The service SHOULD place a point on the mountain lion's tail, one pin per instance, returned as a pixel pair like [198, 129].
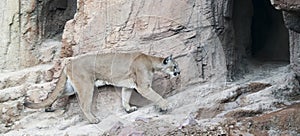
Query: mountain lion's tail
[58, 91]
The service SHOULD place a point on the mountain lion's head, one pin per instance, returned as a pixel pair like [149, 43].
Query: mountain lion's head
[170, 67]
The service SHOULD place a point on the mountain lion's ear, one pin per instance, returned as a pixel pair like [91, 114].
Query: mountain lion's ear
[167, 59]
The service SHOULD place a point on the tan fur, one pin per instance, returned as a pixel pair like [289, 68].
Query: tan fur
[127, 70]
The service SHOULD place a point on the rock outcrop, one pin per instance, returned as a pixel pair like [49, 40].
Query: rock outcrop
[152, 27]
[25, 25]
[291, 13]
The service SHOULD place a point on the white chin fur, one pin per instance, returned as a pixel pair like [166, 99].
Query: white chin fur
[171, 75]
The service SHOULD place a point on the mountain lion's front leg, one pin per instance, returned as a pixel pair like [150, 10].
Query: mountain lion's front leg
[151, 95]
[126, 94]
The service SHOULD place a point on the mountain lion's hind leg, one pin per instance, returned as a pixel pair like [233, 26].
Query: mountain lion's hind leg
[126, 93]
[85, 91]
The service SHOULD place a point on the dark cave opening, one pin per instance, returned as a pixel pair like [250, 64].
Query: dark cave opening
[260, 36]
[54, 15]
[260, 33]
[270, 40]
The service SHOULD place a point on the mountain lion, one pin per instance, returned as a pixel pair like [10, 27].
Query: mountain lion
[127, 70]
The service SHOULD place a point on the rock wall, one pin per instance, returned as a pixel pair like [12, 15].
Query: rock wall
[295, 51]
[29, 38]
[25, 25]
[203, 34]
[291, 10]
[19, 27]
[157, 28]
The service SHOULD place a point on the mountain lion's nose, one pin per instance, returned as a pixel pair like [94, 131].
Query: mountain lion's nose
[176, 73]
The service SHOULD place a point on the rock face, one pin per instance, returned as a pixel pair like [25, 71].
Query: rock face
[291, 10]
[238, 59]
[290, 5]
[25, 25]
[128, 26]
